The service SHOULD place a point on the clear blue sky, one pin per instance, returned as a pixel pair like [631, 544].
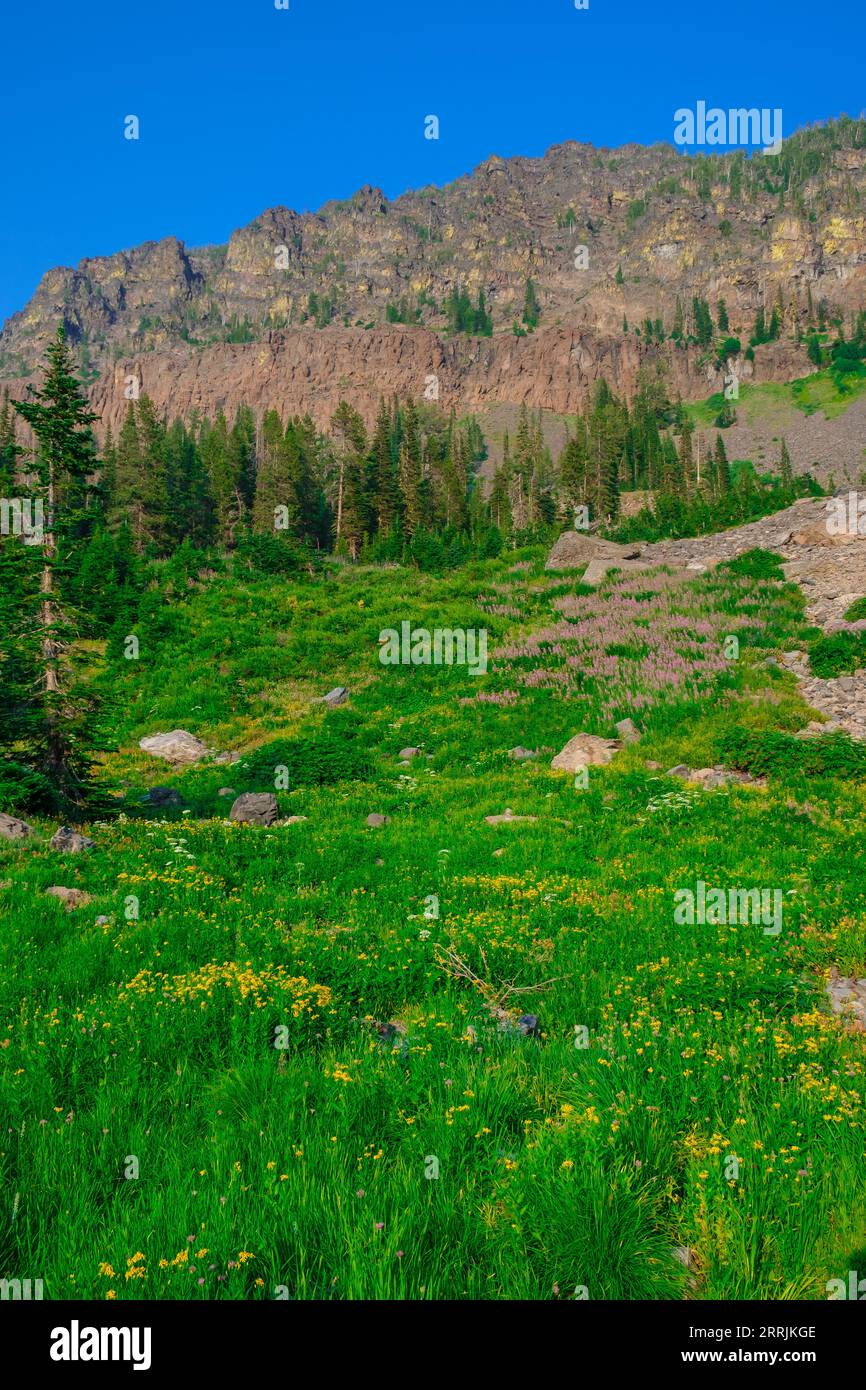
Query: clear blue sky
[243, 106]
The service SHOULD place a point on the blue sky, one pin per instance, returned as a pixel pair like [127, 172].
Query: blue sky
[243, 106]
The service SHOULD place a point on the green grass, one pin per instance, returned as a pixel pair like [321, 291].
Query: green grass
[312, 1168]
[775, 403]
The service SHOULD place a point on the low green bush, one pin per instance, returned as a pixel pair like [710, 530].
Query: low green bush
[770, 753]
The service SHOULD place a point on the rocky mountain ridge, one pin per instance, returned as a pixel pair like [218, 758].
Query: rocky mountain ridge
[300, 309]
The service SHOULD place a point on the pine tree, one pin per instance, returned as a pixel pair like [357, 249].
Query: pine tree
[270, 486]
[225, 474]
[386, 494]
[410, 471]
[65, 465]
[785, 471]
[531, 307]
[721, 469]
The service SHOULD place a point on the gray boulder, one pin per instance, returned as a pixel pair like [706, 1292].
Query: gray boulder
[255, 808]
[178, 746]
[376, 821]
[338, 696]
[162, 796]
[585, 750]
[628, 731]
[11, 828]
[69, 841]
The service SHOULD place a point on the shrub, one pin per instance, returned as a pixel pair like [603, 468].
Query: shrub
[315, 760]
[763, 752]
[756, 564]
[838, 655]
[21, 787]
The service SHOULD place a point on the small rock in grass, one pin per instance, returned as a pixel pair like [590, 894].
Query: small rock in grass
[226, 791]
[293, 820]
[338, 696]
[73, 897]
[69, 841]
[507, 818]
[521, 754]
[529, 1026]
[407, 753]
[103, 921]
[162, 796]
[628, 731]
[681, 770]
[11, 828]
[230, 758]
[847, 997]
[255, 808]
[585, 750]
[388, 1031]
[377, 821]
[708, 777]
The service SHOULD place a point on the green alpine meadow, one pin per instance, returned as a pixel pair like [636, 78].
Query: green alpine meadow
[426, 1025]
[432, 693]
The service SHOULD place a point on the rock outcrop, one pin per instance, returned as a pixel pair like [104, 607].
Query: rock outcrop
[300, 310]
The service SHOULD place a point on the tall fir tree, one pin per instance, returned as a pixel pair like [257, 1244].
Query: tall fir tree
[65, 467]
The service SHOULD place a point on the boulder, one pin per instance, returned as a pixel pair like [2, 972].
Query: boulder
[72, 897]
[376, 821]
[338, 696]
[586, 750]
[681, 770]
[407, 753]
[178, 746]
[69, 841]
[11, 828]
[162, 796]
[255, 808]
[847, 997]
[575, 549]
[628, 731]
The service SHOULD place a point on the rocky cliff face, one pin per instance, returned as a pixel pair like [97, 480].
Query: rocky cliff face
[295, 311]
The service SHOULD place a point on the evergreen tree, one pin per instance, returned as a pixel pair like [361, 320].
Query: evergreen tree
[410, 471]
[721, 469]
[65, 465]
[385, 490]
[531, 307]
[785, 471]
